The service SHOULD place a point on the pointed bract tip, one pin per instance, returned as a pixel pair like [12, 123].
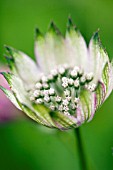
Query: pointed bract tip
[71, 25]
[53, 28]
[38, 33]
[7, 76]
[52, 24]
[8, 48]
[96, 36]
[96, 39]
[70, 22]
[4, 74]
[1, 72]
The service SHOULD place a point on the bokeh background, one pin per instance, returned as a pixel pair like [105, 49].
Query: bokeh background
[23, 144]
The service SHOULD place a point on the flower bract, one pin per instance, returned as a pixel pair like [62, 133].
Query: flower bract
[8, 112]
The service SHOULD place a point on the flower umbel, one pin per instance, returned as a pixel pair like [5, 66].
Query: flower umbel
[68, 83]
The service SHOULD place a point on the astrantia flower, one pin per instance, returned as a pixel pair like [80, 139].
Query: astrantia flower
[68, 83]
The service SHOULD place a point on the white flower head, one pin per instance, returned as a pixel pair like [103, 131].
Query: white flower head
[69, 80]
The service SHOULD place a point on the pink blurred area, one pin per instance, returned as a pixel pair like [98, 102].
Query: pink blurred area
[8, 111]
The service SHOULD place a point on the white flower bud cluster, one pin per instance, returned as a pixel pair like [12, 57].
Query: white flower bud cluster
[91, 87]
[46, 90]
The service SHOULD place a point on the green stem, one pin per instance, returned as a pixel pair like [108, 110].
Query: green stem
[82, 157]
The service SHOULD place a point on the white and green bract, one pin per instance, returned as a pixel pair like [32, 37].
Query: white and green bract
[68, 83]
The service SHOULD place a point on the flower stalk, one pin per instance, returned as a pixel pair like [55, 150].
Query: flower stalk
[81, 153]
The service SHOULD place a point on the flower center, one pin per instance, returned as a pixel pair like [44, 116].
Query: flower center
[60, 90]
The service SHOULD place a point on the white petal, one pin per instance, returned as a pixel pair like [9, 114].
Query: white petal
[86, 104]
[107, 78]
[110, 86]
[100, 94]
[97, 56]
[76, 48]
[23, 66]
[49, 49]
[11, 96]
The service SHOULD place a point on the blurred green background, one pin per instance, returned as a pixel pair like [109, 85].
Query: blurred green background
[23, 144]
